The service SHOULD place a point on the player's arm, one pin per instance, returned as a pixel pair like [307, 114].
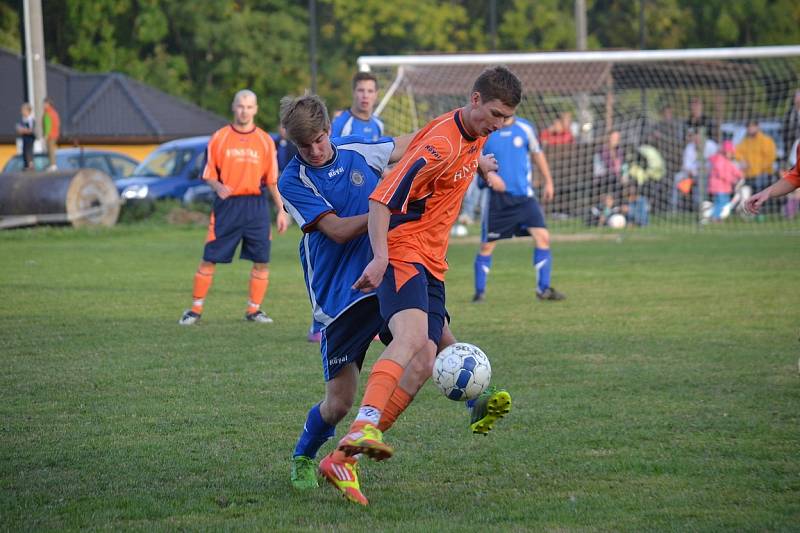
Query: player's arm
[400, 146]
[211, 171]
[342, 229]
[780, 188]
[282, 217]
[378, 226]
[541, 163]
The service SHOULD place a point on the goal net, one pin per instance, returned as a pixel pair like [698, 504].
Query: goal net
[642, 134]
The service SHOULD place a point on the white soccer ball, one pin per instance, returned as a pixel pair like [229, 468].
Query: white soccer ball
[462, 371]
[459, 230]
[616, 221]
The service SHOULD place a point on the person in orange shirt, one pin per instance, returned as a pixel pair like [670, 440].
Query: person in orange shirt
[410, 215]
[240, 162]
[51, 128]
[788, 183]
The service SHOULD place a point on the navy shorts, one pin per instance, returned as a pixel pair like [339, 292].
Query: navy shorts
[509, 216]
[411, 286]
[236, 219]
[347, 339]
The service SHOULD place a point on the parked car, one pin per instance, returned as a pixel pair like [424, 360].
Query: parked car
[114, 164]
[171, 171]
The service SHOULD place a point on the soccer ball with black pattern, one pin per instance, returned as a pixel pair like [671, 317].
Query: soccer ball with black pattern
[462, 371]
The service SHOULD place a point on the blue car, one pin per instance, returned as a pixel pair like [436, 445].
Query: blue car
[173, 170]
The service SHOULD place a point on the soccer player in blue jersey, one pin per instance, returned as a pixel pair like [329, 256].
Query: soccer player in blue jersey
[326, 189]
[359, 120]
[511, 208]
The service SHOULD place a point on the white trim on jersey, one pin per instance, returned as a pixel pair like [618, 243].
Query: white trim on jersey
[294, 212]
[376, 154]
[347, 129]
[533, 142]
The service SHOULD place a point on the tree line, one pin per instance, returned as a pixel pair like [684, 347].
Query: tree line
[205, 51]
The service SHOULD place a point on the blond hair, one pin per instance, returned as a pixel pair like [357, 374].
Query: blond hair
[304, 117]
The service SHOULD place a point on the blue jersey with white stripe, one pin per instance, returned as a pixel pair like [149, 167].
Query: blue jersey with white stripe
[342, 187]
[348, 124]
[512, 146]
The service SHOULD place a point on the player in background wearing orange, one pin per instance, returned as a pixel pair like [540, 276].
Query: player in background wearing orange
[410, 215]
[240, 162]
[788, 183]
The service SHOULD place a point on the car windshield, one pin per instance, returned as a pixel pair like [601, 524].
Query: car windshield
[164, 163]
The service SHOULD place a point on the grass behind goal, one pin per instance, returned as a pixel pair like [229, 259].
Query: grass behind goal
[661, 395]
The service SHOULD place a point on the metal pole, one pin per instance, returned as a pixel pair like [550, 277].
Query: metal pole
[584, 116]
[580, 24]
[312, 32]
[35, 60]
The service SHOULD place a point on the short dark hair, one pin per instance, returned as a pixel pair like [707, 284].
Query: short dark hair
[364, 76]
[499, 83]
[752, 121]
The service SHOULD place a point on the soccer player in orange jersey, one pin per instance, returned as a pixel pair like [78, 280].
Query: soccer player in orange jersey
[240, 163]
[410, 215]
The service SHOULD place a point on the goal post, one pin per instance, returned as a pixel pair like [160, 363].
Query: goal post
[616, 127]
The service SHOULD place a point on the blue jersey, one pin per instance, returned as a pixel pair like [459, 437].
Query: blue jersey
[347, 124]
[512, 146]
[342, 187]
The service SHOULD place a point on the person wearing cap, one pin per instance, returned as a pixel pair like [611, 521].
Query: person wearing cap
[723, 175]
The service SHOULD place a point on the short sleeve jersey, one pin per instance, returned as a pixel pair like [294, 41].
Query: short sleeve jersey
[512, 146]
[342, 187]
[347, 124]
[244, 161]
[425, 189]
[793, 175]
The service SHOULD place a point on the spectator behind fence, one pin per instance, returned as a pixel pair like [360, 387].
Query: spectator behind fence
[698, 121]
[693, 168]
[637, 207]
[757, 154]
[25, 128]
[559, 132]
[790, 182]
[600, 213]
[51, 130]
[791, 126]
[723, 175]
[607, 166]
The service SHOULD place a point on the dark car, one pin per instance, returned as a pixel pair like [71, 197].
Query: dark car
[114, 164]
[171, 171]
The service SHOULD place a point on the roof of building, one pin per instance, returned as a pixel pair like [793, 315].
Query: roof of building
[103, 107]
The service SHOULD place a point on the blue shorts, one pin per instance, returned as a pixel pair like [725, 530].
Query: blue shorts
[244, 219]
[347, 339]
[411, 286]
[509, 216]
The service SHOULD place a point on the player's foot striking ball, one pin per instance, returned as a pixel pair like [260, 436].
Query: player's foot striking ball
[490, 407]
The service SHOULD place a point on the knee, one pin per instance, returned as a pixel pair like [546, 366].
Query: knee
[542, 238]
[421, 367]
[334, 410]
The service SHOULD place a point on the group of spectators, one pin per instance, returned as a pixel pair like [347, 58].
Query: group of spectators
[26, 132]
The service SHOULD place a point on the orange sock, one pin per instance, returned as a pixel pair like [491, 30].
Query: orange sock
[381, 384]
[398, 403]
[202, 282]
[259, 281]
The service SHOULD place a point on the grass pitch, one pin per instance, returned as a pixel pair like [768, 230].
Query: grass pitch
[662, 394]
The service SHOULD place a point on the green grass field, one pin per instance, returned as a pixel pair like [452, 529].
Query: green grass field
[662, 395]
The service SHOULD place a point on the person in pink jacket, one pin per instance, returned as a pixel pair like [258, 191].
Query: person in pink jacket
[723, 175]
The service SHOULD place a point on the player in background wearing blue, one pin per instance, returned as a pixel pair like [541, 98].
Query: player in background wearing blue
[326, 189]
[511, 208]
[359, 120]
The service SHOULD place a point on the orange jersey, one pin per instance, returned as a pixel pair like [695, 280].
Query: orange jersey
[424, 191]
[244, 161]
[793, 175]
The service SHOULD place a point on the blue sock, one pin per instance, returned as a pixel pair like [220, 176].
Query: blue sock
[315, 432]
[483, 264]
[543, 264]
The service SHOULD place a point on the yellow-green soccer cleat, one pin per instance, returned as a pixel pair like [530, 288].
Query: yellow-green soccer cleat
[492, 405]
[344, 476]
[367, 440]
[304, 473]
